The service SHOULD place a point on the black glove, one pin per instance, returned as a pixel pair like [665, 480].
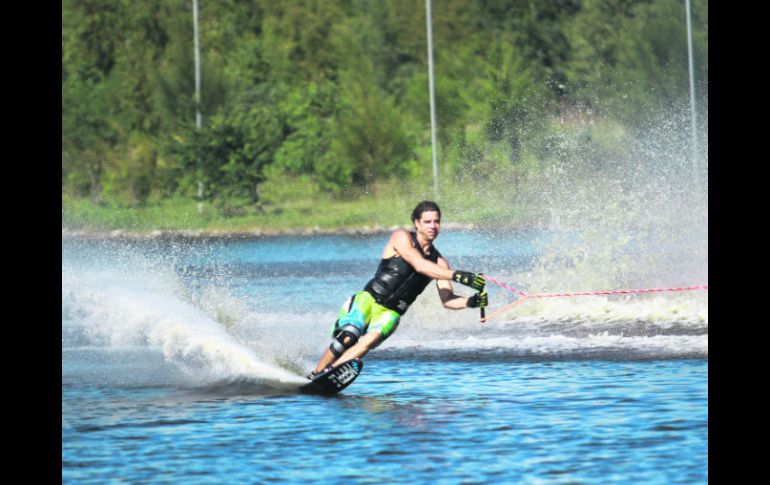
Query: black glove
[466, 278]
[478, 300]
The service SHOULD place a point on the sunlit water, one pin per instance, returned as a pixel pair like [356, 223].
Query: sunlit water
[180, 362]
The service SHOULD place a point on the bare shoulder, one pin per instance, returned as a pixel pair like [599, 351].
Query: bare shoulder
[401, 235]
[399, 239]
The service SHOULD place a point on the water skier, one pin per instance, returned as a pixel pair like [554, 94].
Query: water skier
[409, 262]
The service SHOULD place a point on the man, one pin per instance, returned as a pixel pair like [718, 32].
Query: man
[409, 262]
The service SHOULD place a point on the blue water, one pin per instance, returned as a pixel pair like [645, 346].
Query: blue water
[180, 361]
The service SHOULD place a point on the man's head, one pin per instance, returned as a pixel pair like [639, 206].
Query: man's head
[426, 218]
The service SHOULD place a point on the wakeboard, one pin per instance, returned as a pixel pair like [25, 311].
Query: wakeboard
[334, 380]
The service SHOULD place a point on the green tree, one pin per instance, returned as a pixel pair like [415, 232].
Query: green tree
[88, 136]
[338, 90]
[229, 154]
[630, 56]
[371, 136]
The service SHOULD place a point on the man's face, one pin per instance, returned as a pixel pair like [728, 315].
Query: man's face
[428, 225]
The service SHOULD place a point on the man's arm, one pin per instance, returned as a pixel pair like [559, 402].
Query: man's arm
[401, 244]
[446, 292]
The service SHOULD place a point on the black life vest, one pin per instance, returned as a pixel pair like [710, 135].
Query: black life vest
[396, 284]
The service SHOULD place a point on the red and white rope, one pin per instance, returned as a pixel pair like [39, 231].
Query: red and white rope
[525, 296]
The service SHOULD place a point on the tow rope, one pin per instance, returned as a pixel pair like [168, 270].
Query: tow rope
[525, 296]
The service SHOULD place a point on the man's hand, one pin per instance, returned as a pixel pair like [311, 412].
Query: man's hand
[475, 281]
[478, 300]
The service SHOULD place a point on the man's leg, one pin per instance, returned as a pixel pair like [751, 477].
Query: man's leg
[327, 359]
[383, 323]
[351, 313]
[364, 345]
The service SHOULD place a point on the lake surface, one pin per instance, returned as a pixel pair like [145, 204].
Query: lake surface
[181, 358]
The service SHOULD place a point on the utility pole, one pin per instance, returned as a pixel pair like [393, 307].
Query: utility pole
[198, 118]
[693, 121]
[196, 41]
[434, 146]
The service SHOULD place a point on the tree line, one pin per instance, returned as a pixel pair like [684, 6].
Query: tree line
[337, 90]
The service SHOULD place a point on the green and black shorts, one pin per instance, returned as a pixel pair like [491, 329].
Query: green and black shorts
[367, 315]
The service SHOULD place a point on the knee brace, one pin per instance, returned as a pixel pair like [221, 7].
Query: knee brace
[345, 338]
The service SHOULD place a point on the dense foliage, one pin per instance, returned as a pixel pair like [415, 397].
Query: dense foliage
[337, 90]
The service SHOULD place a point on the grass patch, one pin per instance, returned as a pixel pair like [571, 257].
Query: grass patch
[291, 203]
